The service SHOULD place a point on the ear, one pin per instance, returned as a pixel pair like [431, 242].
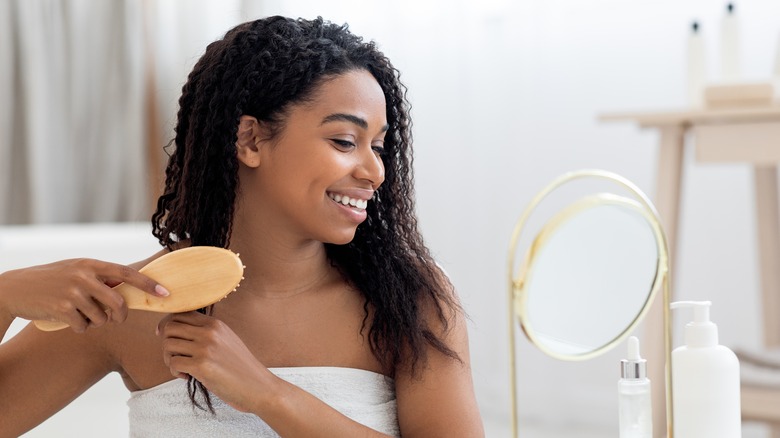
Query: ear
[250, 136]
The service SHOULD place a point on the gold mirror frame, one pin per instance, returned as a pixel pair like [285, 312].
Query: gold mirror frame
[644, 206]
[547, 231]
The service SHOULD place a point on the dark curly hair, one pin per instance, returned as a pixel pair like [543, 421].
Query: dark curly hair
[261, 68]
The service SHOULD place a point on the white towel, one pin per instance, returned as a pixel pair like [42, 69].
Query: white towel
[166, 410]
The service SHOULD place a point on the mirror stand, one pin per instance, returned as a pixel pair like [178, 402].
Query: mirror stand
[638, 206]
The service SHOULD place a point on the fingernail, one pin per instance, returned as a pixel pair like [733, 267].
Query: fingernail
[161, 291]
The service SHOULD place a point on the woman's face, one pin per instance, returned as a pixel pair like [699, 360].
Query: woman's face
[315, 178]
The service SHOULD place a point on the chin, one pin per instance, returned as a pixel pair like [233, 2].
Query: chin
[342, 238]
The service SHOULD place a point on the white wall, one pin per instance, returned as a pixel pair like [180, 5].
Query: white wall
[505, 97]
[492, 131]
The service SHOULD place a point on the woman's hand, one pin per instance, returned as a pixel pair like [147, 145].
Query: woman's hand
[77, 292]
[207, 349]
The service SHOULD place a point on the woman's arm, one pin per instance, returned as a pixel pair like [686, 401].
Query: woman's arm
[439, 400]
[41, 372]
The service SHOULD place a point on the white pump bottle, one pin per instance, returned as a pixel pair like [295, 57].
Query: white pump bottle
[705, 381]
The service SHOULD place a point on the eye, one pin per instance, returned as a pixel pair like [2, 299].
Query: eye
[379, 150]
[343, 145]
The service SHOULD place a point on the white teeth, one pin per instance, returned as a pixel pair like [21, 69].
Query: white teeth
[346, 200]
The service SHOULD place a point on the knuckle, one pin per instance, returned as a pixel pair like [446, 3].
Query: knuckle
[80, 277]
[99, 319]
[214, 325]
[79, 325]
[84, 264]
[210, 339]
[65, 306]
[163, 323]
[115, 301]
[120, 313]
[174, 363]
[72, 295]
[125, 272]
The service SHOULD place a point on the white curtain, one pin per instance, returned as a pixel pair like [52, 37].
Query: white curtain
[71, 120]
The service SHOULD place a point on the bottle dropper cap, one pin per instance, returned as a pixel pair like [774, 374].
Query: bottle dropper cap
[634, 367]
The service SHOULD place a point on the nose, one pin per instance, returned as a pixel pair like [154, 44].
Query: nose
[370, 167]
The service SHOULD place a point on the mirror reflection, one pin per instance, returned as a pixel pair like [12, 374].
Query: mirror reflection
[587, 276]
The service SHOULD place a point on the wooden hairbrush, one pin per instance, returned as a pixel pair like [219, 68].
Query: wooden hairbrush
[196, 277]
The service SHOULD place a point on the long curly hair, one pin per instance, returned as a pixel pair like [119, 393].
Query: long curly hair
[261, 68]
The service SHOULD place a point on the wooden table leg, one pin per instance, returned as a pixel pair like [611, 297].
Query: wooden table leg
[667, 201]
[768, 224]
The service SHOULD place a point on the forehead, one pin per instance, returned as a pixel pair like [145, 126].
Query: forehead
[355, 92]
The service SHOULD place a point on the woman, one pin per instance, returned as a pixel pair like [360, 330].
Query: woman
[293, 148]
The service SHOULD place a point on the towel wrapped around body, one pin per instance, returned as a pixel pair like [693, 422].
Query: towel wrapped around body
[166, 410]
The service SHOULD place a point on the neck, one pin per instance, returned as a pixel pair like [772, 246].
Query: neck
[278, 268]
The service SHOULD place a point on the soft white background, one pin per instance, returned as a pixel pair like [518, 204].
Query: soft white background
[505, 97]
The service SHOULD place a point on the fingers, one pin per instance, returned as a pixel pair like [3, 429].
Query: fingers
[73, 291]
[79, 309]
[94, 302]
[112, 272]
[181, 366]
[91, 302]
[179, 332]
[112, 303]
[76, 320]
[181, 324]
[178, 356]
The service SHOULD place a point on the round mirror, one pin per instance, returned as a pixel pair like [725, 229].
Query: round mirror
[587, 276]
[589, 273]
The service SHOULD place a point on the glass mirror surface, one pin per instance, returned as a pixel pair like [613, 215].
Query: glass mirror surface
[588, 275]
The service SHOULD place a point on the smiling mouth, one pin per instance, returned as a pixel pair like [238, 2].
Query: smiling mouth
[359, 204]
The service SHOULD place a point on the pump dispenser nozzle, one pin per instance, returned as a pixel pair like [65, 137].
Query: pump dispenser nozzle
[700, 332]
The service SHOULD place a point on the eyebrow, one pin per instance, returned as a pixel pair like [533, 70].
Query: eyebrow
[341, 117]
